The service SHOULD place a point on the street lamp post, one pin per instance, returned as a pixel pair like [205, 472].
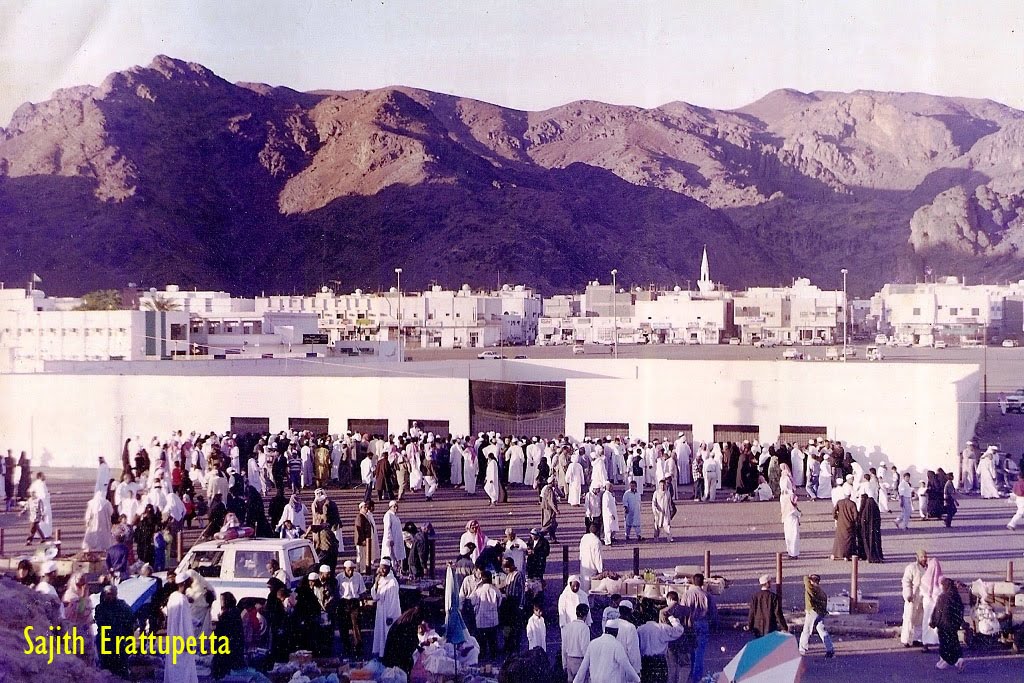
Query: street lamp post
[401, 348]
[846, 312]
[615, 315]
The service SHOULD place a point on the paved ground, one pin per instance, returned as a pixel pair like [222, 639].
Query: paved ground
[743, 538]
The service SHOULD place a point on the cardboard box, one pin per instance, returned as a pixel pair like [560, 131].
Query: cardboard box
[839, 604]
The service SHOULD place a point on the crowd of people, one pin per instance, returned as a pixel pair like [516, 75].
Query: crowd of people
[254, 485]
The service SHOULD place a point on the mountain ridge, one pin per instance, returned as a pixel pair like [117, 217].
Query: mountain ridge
[169, 173]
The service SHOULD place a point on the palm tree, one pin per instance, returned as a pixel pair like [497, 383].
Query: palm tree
[160, 303]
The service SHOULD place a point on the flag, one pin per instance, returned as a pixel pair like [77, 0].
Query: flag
[36, 279]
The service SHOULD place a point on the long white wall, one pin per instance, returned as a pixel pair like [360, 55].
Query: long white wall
[68, 420]
[913, 415]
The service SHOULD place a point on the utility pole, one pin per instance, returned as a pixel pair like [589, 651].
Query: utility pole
[846, 311]
[401, 347]
[615, 314]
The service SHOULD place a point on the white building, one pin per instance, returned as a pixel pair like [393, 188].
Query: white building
[683, 317]
[800, 313]
[195, 301]
[25, 300]
[945, 310]
[930, 409]
[30, 338]
[437, 318]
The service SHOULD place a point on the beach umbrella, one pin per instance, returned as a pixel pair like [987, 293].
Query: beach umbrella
[774, 658]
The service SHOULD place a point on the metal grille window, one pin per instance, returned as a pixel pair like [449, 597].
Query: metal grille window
[666, 431]
[316, 425]
[522, 409]
[736, 433]
[250, 425]
[602, 429]
[368, 426]
[435, 427]
[800, 434]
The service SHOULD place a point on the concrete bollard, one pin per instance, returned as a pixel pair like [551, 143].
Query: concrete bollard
[854, 578]
[778, 574]
[565, 565]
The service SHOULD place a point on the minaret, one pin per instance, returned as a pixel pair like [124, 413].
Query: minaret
[704, 284]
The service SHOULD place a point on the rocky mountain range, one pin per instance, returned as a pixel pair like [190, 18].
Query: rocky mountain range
[168, 173]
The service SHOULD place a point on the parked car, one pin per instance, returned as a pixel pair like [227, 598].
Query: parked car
[240, 565]
[938, 344]
[578, 350]
[881, 339]
[1009, 343]
[788, 342]
[520, 356]
[490, 354]
[765, 343]
[1012, 403]
[873, 353]
[792, 354]
[734, 341]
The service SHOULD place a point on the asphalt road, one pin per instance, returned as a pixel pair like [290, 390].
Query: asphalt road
[1005, 367]
[743, 539]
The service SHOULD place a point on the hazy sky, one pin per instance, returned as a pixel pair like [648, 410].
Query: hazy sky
[526, 54]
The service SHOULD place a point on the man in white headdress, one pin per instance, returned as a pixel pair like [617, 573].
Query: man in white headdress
[97, 524]
[533, 456]
[102, 476]
[609, 514]
[591, 556]
[573, 594]
[43, 494]
[606, 660]
[391, 542]
[598, 468]
[180, 668]
[683, 456]
[384, 592]
[470, 470]
[456, 457]
[713, 473]
[516, 463]
[574, 478]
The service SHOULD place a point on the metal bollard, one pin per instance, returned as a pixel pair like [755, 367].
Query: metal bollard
[707, 564]
[56, 535]
[1009, 570]
[636, 561]
[778, 575]
[180, 543]
[565, 565]
[1, 541]
[854, 577]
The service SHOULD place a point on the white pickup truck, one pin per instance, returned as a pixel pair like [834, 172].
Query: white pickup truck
[1012, 403]
[240, 565]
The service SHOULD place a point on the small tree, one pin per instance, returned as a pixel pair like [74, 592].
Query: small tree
[101, 300]
[160, 303]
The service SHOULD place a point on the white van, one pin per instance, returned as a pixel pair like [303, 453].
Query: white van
[240, 566]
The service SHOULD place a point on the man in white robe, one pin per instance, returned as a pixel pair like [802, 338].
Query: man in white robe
[598, 469]
[391, 542]
[516, 463]
[180, 669]
[574, 480]
[492, 480]
[533, 456]
[572, 595]
[683, 456]
[43, 494]
[97, 524]
[384, 592]
[591, 557]
[470, 469]
[609, 514]
[456, 460]
[606, 660]
[102, 476]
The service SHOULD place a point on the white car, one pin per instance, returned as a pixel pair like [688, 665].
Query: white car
[1009, 343]
[240, 566]
[939, 344]
[881, 339]
[792, 354]
[490, 354]
[734, 341]
[578, 350]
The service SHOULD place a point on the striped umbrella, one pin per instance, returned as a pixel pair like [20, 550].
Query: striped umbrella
[774, 658]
